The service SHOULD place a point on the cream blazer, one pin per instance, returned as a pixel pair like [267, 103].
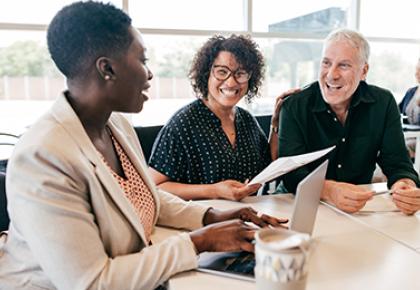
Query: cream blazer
[71, 224]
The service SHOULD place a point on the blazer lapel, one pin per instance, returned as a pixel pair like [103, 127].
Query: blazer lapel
[66, 116]
[115, 191]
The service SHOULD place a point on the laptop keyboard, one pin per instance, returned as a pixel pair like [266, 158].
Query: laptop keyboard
[244, 264]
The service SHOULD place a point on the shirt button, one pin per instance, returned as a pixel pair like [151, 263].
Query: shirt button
[339, 165]
[329, 112]
[335, 119]
[343, 140]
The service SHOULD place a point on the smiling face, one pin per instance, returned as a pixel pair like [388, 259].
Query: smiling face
[229, 92]
[132, 77]
[341, 72]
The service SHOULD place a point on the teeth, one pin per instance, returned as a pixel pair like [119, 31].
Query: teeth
[336, 87]
[229, 92]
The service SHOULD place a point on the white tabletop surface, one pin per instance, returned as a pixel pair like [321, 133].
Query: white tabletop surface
[349, 252]
[381, 214]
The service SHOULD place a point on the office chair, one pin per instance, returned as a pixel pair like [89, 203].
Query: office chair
[7, 141]
[147, 136]
[4, 216]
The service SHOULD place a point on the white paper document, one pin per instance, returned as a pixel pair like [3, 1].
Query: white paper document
[286, 164]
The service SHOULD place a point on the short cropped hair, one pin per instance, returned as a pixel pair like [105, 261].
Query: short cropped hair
[246, 54]
[355, 38]
[83, 31]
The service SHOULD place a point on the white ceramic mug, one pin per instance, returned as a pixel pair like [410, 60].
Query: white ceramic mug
[281, 259]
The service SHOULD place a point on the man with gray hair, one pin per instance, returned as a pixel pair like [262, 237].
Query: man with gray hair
[361, 120]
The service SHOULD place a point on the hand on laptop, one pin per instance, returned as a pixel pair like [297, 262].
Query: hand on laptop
[406, 196]
[246, 214]
[227, 231]
[227, 236]
[345, 196]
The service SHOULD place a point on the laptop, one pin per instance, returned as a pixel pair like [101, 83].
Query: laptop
[240, 265]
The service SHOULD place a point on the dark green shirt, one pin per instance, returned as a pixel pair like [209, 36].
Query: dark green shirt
[371, 134]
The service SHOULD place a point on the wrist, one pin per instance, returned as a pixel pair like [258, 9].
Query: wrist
[210, 191]
[210, 217]
[328, 191]
[198, 242]
[404, 182]
[274, 129]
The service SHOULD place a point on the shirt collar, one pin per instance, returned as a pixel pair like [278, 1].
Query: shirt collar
[361, 95]
[212, 116]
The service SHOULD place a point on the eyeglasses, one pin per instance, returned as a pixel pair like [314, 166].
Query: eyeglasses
[222, 73]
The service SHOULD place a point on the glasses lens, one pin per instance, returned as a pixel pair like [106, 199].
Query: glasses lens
[241, 76]
[221, 73]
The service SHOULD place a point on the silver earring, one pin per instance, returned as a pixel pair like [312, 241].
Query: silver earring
[107, 77]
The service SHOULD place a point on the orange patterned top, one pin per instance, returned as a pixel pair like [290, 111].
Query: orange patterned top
[135, 190]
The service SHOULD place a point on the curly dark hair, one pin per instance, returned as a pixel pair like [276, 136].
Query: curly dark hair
[83, 31]
[246, 54]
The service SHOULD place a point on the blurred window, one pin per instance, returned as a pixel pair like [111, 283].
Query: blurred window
[35, 12]
[313, 17]
[390, 18]
[188, 14]
[289, 35]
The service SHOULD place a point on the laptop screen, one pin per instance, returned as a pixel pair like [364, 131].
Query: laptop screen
[240, 265]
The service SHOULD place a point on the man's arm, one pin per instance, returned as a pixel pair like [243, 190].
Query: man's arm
[396, 164]
[393, 156]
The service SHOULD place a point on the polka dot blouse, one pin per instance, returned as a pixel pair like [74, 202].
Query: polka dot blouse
[135, 190]
[193, 148]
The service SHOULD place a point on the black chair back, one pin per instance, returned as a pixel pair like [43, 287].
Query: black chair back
[265, 123]
[4, 216]
[147, 136]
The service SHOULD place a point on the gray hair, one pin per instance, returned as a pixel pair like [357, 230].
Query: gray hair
[354, 38]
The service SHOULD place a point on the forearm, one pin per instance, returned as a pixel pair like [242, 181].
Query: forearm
[150, 267]
[273, 141]
[190, 191]
[177, 213]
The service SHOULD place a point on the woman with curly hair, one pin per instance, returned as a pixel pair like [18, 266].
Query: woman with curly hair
[211, 147]
[82, 205]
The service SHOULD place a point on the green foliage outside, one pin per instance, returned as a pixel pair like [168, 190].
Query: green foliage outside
[26, 58]
[29, 58]
[176, 60]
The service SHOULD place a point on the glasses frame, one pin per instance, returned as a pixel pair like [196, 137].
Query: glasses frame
[231, 73]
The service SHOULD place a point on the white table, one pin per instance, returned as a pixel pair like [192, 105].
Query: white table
[349, 253]
[382, 215]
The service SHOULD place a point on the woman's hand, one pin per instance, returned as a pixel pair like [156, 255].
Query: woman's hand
[228, 231]
[246, 214]
[227, 236]
[279, 103]
[234, 190]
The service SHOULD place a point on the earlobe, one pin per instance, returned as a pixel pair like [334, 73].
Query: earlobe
[365, 71]
[104, 68]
